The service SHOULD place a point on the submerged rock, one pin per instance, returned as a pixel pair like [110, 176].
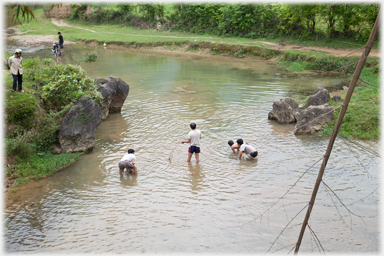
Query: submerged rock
[284, 110]
[311, 119]
[78, 129]
[114, 91]
[320, 96]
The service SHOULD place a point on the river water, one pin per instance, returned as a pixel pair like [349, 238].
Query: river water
[214, 206]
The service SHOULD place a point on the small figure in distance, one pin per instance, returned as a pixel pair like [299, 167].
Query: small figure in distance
[234, 146]
[249, 151]
[61, 43]
[128, 162]
[194, 137]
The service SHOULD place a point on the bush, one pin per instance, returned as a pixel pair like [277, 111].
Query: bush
[18, 146]
[20, 109]
[66, 84]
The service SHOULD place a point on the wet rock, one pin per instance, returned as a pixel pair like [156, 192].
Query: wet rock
[336, 98]
[320, 96]
[284, 110]
[311, 119]
[78, 129]
[114, 91]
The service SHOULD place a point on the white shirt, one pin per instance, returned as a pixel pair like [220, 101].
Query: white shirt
[195, 136]
[128, 157]
[248, 149]
[15, 65]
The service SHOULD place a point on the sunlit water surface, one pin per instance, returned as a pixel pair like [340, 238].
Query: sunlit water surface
[211, 207]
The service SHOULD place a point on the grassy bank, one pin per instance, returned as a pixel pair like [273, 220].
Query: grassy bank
[33, 118]
[26, 157]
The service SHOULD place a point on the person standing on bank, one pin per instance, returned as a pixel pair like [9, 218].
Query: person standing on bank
[249, 151]
[194, 137]
[61, 42]
[15, 67]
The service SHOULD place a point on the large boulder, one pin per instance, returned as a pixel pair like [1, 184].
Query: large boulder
[284, 110]
[311, 119]
[78, 129]
[320, 96]
[114, 91]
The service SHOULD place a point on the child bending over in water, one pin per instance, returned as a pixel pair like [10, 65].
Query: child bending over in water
[128, 162]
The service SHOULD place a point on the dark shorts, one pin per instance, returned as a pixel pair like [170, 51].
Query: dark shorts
[61, 46]
[254, 154]
[194, 149]
[126, 164]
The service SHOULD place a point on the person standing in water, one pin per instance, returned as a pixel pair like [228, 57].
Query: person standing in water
[194, 137]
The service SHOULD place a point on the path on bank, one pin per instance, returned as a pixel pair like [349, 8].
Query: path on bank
[277, 46]
[33, 39]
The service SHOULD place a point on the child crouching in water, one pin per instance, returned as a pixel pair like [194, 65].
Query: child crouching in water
[128, 162]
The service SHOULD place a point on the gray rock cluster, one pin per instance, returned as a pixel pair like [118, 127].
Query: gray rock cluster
[309, 118]
[78, 129]
[114, 91]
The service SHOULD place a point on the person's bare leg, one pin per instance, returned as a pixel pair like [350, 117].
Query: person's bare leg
[189, 157]
[135, 170]
[120, 171]
[197, 157]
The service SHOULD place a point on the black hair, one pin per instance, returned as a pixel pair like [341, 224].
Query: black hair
[230, 142]
[59, 33]
[193, 126]
[240, 142]
[130, 151]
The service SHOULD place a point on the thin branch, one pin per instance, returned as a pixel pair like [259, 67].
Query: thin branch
[285, 192]
[286, 227]
[356, 157]
[283, 248]
[367, 150]
[365, 196]
[341, 217]
[316, 238]
[361, 217]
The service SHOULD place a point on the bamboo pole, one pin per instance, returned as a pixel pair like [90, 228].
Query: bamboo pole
[352, 85]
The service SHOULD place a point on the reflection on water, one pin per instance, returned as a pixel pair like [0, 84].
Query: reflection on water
[206, 207]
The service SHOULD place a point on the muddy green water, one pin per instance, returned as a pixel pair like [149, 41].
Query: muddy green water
[211, 207]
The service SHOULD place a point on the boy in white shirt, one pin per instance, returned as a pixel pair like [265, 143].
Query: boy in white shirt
[249, 151]
[194, 137]
[128, 162]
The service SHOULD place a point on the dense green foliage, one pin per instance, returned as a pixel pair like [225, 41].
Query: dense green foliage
[65, 84]
[302, 21]
[21, 109]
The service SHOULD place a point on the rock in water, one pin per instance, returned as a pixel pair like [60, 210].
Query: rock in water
[320, 96]
[114, 91]
[314, 113]
[284, 110]
[78, 129]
